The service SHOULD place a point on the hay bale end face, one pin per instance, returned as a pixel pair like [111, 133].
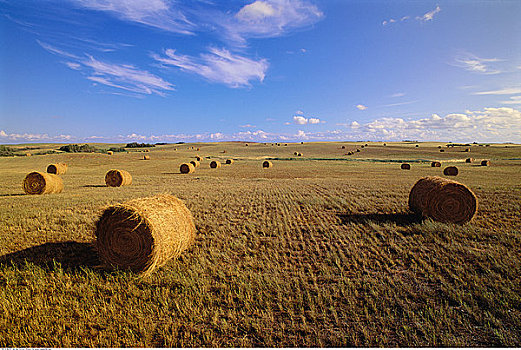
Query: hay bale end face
[405, 166]
[195, 163]
[442, 150]
[199, 158]
[57, 168]
[469, 160]
[146, 157]
[229, 161]
[485, 162]
[42, 183]
[443, 200]
[267, 164]
[450, 171]
[215, 164]
[144, 234]
[435, 164]
[186, 168]
[117, 178]
[343, 147]
[110, 153]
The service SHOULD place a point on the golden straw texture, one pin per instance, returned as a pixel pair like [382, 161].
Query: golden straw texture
[117, 178]
[57, 168]
[145, 233]
[443, 200]
[42, 183]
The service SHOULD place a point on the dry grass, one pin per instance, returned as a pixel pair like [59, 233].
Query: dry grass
[317, 251]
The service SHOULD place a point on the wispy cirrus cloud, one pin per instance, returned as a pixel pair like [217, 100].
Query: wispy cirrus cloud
[218, 65]
[119, 76]
[162, 14]
[429, 16]
[473, 63]
[505, 91]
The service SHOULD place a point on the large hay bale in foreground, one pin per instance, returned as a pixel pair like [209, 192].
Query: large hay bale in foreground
[42, 183]
[215, 164]
[117, 178]
[405, 166]
[485, 162]
[469, 160]
[186, 168]
[229, 161]
[195, 163]
[145, 233]
[450, 171]
[435, 164]
[267, 164]
[443, 200]
[57, 168]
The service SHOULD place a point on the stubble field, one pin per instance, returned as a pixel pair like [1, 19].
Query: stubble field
[319, 250]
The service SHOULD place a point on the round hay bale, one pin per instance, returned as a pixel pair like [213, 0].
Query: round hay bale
[110, 153]
[146, 157]
[224, 151]
[450, 171]
[299, 154]
[143, 234]
[295, 153]
[267, 164]
[198, 158]
[147, 150]
[42, 183]
[417, 146]
[366, 145]
[246, 145]
[28, 154]
[405, 166]
[385, 144]
[195, 163]
[198, 149]
[439, 146]
[467, 150]
[302, 142]
[435, 164]
[443, 200]
[215, 164]
[117, 178]
[485, 162]
[343, 147]
[442, 150]
[186, 168]
[57, 168]
[357, 150]
[362, 146]
[229, 161]
[469, 160]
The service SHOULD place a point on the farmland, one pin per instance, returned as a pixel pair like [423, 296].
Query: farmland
[319, 250]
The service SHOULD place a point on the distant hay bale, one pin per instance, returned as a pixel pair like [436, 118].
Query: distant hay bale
[385, 144]
[469, 160]
[443, 200]
[57, 168]
[299, 154]
[110, 153]
[195, 163]
[467, 150]
[198, 149]
[435, 164]
[146, 157]
[343, 147]
[357, 150]
[224, 151]
[302, 142]
[439, 146]
[198, 158]
[143, 234]
[147, 150]
[42, 183]
[417, 146]
[442, 150]
[450, 171]
[215, 164]
[229, 161]
[267, 164]
[295, 153]
[117, 178]
[28, 154]
[485, 162]
[405, 166]
[246, 145]
[175, 149]
[186, 168]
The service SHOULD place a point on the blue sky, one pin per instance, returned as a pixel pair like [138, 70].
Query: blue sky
[265, 70]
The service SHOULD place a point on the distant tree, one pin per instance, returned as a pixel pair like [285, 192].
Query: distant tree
[74, 148]
[138, 145]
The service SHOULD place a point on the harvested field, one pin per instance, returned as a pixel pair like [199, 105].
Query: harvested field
[313, 252]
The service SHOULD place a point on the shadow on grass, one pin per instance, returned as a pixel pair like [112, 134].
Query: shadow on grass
[12, 194]
[402, 219]
[71, 255]
[94, 186]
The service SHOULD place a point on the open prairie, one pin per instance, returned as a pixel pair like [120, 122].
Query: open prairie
[319, 250]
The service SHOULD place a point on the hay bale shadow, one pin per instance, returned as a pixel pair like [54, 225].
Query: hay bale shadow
[71, 255]
[401, 219]
[94, 186]
[12, 194]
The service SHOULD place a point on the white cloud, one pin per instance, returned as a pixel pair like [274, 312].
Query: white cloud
[268, 18]
[476, 64]
[160, 14]
[313, 120]
[398, 94]
[301, 120]
[514, 100]
[506, 91]
[299, 112]
[361, 107]
[219, 65]
[247, 126]
[429, 15]
[389, 21]
[27, 137]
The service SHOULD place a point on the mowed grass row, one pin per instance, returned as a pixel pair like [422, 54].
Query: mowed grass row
[307, 253]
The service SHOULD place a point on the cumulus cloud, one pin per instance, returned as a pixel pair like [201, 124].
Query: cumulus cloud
[361, 107]
[301, 120]
[28, 137]
[219, 65]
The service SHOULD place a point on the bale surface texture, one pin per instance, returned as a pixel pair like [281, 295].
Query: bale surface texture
[267, 164]
[443, 200]
[145, 233]
[450, 171]
[215, 164]
[42, 183]
[117, 178]
[186, 168]
[57, 168]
